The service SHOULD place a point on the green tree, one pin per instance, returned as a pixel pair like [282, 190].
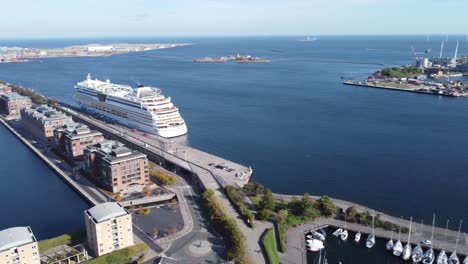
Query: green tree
[282, 216]
[326, 206]
[264, 214]
[267, 202]
[351, 213]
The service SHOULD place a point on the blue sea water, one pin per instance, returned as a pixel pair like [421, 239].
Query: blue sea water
[292, 120]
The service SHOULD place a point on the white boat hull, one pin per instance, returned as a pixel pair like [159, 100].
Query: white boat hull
[146, 127]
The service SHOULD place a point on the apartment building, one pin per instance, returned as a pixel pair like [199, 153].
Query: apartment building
[73, 138]
[118, 168]
[108, 228]
[18, 245]
[43, 119]
[12, 103]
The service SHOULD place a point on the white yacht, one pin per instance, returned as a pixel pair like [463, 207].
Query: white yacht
[337, 232]
[417, 254]
[453, 259]
[428, 257]
[314, 245]
[357, 237]
[398, 247]
[344, 235]
[406, 255]
[370, 242]
[143, 108]
[390, 244]
[442, 257]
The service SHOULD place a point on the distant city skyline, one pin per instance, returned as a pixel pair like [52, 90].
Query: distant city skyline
[143, 18]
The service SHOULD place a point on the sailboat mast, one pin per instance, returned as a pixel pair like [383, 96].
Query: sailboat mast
[409, 233]
[433, 223]
[420, 229]
[458, 235]
[373, 215]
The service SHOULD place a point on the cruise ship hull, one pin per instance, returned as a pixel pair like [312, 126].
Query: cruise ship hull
[126, 113]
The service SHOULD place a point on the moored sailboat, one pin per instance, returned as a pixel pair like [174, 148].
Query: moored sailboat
[398, 247]
[344, 234]
[442, 257]
[428, 257]
[370, 242]
[453, 259]
[407, 249]
[390, 244]
[417, 254]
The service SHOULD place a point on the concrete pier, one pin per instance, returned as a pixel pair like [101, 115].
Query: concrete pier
[206, 166]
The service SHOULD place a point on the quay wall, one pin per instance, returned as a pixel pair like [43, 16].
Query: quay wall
[409, 90]
[51, 165]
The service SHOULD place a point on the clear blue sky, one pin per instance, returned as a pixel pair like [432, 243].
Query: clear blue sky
[104, 18]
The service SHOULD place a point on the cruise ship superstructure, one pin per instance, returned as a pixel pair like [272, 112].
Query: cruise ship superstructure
[143, 108]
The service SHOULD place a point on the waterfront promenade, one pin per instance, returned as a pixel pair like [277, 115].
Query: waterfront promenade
[296, 251]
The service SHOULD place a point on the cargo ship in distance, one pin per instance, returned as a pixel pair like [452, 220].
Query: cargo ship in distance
[143, 108]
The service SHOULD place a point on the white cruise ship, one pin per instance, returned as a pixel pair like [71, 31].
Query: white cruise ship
[143, 108]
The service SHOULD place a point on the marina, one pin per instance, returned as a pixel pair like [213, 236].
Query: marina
[297, 238]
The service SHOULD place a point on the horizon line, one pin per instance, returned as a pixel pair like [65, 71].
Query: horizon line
[236, 36]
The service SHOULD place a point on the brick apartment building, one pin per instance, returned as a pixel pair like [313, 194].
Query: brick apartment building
[119, 168]
[12, 103]
[72, 138]
[43, 119]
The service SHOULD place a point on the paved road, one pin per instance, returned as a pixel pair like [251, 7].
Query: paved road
[176, 250]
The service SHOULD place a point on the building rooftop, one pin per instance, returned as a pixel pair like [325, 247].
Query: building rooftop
[113, 151]
[13, 96]
[15, 237]
[78, 130]
[46, 114]
[106, 211]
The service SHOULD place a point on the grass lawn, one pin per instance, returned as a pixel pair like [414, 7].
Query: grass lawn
[120, 256]
[269, 243]
[66, 239]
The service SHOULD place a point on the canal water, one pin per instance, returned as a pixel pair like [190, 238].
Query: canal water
[32, 195]
[292, 120]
